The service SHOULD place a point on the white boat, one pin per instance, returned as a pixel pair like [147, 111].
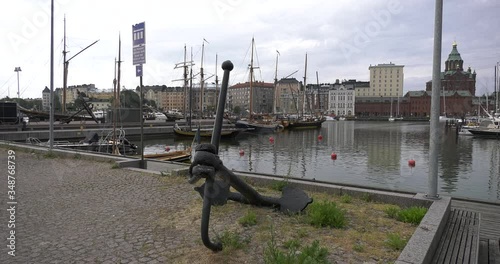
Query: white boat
[160, 116]
[487, 128]
[330, 118]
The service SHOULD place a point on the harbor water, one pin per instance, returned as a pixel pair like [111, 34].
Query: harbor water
[369, 154]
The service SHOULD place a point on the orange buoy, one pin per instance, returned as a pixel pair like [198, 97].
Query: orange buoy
[411, 163]
[242, 152]
[333, 156]
[320, 137]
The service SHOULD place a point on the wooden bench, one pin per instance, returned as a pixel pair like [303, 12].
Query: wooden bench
[460, 240]
[489, 251]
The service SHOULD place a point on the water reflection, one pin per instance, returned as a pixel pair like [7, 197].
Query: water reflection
[372, 154]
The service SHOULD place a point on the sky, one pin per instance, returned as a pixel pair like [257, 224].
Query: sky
[342, 39]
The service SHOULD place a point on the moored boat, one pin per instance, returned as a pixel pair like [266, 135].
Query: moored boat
[205, 132]
[305, 123]
[177, 155]
[487, 128]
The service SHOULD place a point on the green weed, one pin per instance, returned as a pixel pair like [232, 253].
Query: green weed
[395, 242]
[324, 213]
[250, 219]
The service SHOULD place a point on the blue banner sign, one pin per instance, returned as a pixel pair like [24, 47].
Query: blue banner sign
[139, 43]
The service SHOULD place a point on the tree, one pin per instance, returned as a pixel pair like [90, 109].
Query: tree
[129, 99]
[237, 110]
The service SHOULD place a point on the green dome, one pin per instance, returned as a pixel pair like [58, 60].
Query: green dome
[454, 55]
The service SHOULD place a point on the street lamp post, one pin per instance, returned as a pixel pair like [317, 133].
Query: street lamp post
[18, 69]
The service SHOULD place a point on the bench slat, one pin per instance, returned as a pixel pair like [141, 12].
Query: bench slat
[494, 251]
[460, 240]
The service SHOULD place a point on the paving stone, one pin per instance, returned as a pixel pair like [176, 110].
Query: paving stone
[81, 211]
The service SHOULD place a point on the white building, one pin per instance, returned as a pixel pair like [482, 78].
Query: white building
[46, 99]
[341, 99]
[386, 80]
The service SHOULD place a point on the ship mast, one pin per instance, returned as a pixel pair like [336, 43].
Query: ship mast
[276, 83]
[497, 111]
[185, 79]
[66, 66]
[305, 97]
[202, 76]
[65, 69]
[251, 81]
[216, 85]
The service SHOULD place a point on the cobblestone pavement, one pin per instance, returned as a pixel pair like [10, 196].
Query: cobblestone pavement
[80, 211]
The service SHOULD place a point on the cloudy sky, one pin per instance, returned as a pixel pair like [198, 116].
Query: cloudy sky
[342, 38]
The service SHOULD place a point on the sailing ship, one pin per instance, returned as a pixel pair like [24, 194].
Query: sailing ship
[257, 123]
[397, 118]
[206, 131]
[305, 121]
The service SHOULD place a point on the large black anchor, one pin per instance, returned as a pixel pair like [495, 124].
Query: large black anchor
[215, 191]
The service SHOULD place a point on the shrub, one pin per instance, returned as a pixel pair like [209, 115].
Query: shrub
[250, 219]
[326, 214]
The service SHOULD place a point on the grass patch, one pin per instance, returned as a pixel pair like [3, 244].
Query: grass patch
[293, 253]
[50, 155]
[358, 247]
[392, 211]
[279, 185]
[292, 244]
[115, 166]
[231, 241]
[346, 198]
[249, 219]
[77, 156]
[412, 215]
[395, 242]
[326, 214]
[367, 197]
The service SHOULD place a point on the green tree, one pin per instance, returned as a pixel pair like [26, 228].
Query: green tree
[237, 110]
[129, 99]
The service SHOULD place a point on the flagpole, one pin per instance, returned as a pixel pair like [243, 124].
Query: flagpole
[435, 103]
[51, 119]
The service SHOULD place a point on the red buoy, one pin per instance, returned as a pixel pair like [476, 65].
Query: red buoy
[242, 152]
[333, 156]
[271, 139]
[167, 148]
[411, 163]
[320, 137]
